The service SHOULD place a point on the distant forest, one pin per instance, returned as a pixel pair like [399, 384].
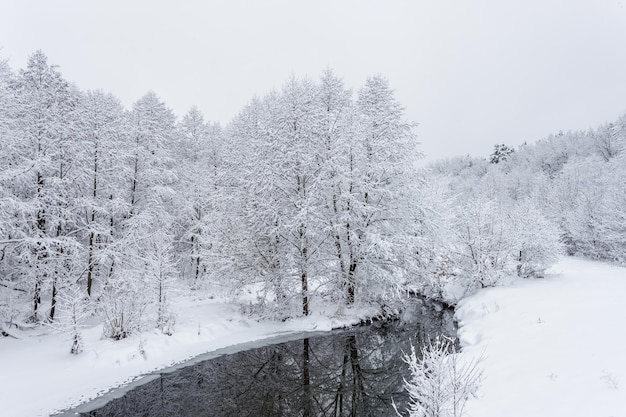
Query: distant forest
[310, 196]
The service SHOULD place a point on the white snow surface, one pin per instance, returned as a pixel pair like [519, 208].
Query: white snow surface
[550, 347]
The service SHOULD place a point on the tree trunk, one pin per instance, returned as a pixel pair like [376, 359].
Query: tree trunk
[90, 260]
[53, 303]
[304, 250]
[351, 281]
[90, 267]
[112, 224]
[352, 262]
[197, 267]
[133, 185]
[41, 249]
[305, 294]
[304, 275]
[36, 297]
[337, 239]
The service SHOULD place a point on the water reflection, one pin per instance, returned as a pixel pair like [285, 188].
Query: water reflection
[348, 373]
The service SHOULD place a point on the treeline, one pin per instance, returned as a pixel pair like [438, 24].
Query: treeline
[564, 194]
[311, 196]
[305, 198]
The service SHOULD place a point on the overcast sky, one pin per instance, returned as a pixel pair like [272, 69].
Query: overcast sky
[471, 73]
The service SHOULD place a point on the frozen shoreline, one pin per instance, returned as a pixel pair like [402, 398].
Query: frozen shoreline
[117, 392]
[40, 377]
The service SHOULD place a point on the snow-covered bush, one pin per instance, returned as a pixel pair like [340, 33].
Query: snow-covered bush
[10, 310]
[441, 381]
[74, 308]
[160, 271]
[488, 236]
[439, 275]
[482, 247]
[535, 240]
[122, 308]
[591, 196]
[121, 316]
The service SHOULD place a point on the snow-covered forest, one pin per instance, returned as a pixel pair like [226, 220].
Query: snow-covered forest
[312, 195]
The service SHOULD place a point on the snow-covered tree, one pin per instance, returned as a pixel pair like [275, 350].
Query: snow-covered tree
[500, 153]
[334, 132]
[9, 203]
[535, 241]
[150, 201]
[75, 308]
[40, 157]
[102, 130]
[381, 168]
[589, 194]
[434, 214]
[484, 247]
[160, 279]
[298, 183]
[609, 141]
[253, 246]
[326, 189]
[199, 170]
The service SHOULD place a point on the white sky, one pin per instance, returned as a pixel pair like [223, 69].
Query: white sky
[472, 73]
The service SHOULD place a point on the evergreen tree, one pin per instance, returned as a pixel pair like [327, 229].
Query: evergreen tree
[500, 153]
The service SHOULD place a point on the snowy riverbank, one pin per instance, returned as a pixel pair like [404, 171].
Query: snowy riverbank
[551, 347]
[38, 376]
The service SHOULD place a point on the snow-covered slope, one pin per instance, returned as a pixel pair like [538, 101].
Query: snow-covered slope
[551, 347]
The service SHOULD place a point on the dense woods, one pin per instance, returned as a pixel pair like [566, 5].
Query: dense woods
[310, 196]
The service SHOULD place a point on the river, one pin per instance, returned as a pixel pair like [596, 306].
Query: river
[354, 372]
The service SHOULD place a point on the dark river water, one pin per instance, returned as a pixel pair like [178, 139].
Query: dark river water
[353, 372]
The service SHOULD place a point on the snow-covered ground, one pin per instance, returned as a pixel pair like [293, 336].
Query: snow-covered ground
[553, 347]
[550, 347]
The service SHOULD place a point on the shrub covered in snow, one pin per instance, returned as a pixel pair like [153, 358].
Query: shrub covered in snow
[441, 382]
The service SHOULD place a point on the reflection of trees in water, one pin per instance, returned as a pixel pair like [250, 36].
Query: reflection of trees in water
[350, 373]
